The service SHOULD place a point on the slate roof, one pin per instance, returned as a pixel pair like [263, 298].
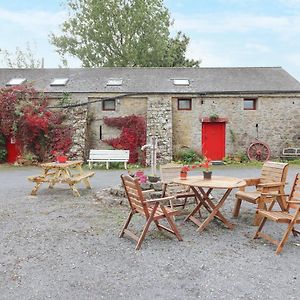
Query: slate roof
[160, 80]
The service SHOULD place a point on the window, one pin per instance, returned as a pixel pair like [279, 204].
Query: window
[59, 81]
[250, 104]
[100, 132]
[109, 105]
[184, 104]
[16, 81]
[114, 82]
[181, 82]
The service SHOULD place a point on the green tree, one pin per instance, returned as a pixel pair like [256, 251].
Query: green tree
[21, 58]
[121, 33]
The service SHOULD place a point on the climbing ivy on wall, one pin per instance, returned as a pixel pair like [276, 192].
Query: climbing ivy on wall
[24, 114]
[132, 137]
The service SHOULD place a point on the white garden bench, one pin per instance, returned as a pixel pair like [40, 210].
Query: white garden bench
[108, 156]
[290, 153]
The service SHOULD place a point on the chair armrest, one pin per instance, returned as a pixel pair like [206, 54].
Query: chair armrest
[160, 199]
[271, 184]
[273, 194]
[293, 201]
[252, 181]
[148, 191]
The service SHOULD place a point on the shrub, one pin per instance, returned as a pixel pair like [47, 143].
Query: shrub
[133, 134]
[25, 115]
[3, 151]
[187, 156]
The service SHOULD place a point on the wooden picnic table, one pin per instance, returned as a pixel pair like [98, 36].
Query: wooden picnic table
[198, 184]
[70, 173]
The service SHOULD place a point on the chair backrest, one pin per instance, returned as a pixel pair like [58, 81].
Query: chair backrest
[273, 172]
[295, 192]
[169, 171]
[134, 194]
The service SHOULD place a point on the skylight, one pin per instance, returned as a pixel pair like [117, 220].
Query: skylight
[16, 81]
[181, 82]
[114, 82]
[59, 81]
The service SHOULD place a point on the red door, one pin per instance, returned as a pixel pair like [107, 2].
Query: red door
[213, 140]
[13, 150]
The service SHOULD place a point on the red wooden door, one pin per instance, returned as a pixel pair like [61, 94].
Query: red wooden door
[213, 140]
[13, 150]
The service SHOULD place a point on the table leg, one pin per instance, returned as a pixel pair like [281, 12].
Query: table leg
[35, 189]
[74, 190]
[201, 202]
[215, 212]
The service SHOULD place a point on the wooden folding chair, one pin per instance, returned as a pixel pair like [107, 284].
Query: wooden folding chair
[272, 180]
[181, 193]
[284, 215]
[153, 210]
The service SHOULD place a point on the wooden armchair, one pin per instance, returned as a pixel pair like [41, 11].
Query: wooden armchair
[272, 180]
[283, 215]
[181, 193]
[153, 210]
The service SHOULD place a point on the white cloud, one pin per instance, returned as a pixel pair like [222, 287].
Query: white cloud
[209, 53]
[294, 58]
[40, 22]
[258, 47]
[239, 23]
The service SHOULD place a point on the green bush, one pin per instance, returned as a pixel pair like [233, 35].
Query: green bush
[3, 151]
[238, 157]
[187, 156]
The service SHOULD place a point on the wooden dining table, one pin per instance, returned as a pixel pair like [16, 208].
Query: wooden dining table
[203, 190]
[69, 172]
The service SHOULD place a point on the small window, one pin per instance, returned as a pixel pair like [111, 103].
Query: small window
[16, 81]
[250, 104]
[181, 82]
[59, 81]
[184, 104]
[108, 105]
[114, 82]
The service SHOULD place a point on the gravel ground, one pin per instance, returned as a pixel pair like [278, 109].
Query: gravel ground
[59, 247]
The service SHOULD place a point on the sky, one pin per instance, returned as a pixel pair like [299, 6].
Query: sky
[223, 33]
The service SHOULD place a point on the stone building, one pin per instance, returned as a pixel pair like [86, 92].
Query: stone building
[216, 111]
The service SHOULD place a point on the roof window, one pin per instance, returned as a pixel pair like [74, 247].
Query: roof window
[114, 82]
[181, 82]
[16, 81]
[59, 81]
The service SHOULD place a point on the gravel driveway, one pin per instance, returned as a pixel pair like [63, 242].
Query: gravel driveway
[59, 247]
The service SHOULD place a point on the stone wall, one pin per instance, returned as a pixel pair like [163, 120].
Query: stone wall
[124, 107]
[77, 119]
[277, 116]
[159, 124]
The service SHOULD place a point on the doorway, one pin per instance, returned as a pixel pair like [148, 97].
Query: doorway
[213, 140]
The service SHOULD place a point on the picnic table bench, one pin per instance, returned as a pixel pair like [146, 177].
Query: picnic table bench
[54, 173]
[290, 152]
[108, 156]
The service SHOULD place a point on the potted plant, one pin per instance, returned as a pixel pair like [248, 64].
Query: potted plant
[206, 165]
[59, 157]
[213, 117]
[183, 172]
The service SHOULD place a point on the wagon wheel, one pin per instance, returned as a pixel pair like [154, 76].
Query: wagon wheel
[258, 151]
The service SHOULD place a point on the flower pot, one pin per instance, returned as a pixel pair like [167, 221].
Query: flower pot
[183, 175]
[153, 178]
[207, 174]
[61, 159]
